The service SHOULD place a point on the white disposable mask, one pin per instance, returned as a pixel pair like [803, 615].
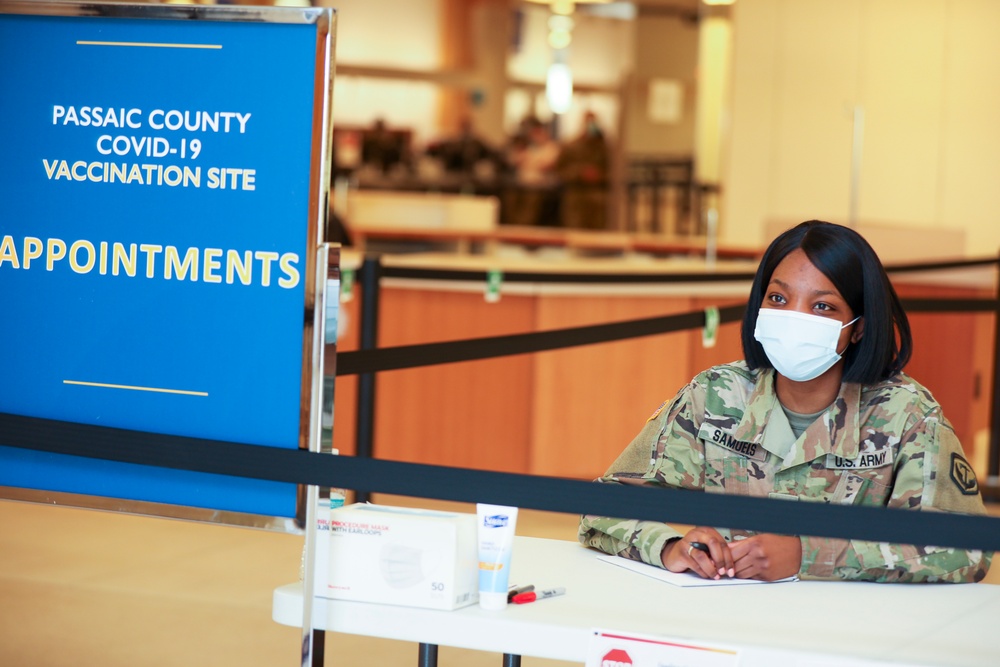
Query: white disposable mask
[800, 346]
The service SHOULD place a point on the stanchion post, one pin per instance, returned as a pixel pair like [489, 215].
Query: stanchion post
[319, 647]
[370, 279]
[427, 655]
[654, 207]
[313, 640]
[994, 453]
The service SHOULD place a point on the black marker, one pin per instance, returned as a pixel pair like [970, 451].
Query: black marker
[517, 590]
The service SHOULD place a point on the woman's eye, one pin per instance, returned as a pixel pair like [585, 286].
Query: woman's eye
[822, 306]
[775, 298]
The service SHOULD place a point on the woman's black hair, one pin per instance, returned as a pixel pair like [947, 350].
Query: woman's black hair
[846, 258]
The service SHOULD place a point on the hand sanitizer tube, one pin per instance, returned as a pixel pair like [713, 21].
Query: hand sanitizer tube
[496, 542]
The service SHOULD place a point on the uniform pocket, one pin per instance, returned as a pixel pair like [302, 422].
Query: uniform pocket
[866, 479]
[726, 472]
[862, 487]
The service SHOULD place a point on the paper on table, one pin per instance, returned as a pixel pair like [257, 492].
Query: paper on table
[686, 579]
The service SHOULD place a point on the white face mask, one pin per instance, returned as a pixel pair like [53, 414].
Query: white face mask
[800, 346]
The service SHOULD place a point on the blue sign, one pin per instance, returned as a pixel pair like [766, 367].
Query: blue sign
[156, 187]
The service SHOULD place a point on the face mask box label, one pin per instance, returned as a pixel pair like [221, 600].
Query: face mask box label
[397, 555]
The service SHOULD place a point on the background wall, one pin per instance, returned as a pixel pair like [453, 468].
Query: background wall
[666, 48]
[413, 45]
[924, 72]
[600, 56]
[441, 59]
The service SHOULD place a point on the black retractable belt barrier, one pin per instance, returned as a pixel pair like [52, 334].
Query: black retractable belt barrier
[454, 275]
[528, 491]
[941, 266]
[994, 452]
[950, 305]
[371, 276]
[369, 359]
[427, 354]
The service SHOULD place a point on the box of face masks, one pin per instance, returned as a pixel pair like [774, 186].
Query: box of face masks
[397, 555]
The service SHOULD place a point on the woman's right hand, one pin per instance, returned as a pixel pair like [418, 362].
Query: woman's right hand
[680, 555]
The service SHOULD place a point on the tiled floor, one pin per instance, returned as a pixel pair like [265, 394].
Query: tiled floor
[83, 588]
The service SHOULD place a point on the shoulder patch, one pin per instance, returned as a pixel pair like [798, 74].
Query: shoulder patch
[657, 413]
[963, 475]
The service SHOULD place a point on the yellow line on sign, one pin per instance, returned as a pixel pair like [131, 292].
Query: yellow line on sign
[131, 388]
[81, 42]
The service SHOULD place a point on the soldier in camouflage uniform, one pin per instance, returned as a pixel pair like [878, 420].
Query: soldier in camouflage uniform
[880, 442]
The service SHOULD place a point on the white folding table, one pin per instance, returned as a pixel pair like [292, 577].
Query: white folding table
[848, 623]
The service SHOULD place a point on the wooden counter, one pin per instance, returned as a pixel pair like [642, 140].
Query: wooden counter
[570, 412]
[574, 242]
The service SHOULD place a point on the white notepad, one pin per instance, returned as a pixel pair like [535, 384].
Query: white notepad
[686, 579]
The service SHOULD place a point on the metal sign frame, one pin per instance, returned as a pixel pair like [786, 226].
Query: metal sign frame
[314, 270]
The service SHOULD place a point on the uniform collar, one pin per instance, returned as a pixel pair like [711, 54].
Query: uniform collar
[837, 431]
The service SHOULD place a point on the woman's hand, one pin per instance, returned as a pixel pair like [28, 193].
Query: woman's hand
[680, 555]
[767, 557]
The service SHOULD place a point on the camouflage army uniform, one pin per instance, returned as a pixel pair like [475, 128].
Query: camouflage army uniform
[887, 444]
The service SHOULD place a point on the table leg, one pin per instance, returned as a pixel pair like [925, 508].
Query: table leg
[319, 644]
[428, 656]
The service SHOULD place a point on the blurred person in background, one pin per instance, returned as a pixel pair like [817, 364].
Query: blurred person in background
[381, 148]
[533, 160]
[465, 154]
[583, 168]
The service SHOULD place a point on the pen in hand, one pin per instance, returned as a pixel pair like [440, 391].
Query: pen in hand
[522, 598]
[700, 546]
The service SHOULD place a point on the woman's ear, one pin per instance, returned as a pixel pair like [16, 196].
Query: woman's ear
[859, 330]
